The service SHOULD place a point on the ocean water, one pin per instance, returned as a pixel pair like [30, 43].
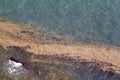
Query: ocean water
[85, 20]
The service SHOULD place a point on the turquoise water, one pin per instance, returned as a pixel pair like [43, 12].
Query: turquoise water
[85, 20]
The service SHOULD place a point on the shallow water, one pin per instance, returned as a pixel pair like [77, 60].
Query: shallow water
[53, 67]
[85, 20]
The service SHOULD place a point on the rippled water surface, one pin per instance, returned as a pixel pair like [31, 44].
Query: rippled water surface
[86, 20]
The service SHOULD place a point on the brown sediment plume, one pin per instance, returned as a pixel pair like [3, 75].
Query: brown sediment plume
[61, 66]
[36, 42]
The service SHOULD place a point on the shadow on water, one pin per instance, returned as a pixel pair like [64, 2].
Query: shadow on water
[60, 67]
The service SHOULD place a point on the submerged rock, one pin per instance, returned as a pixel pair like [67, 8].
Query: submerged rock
[57, 67]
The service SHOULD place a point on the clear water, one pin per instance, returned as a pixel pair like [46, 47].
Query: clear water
[85, 20]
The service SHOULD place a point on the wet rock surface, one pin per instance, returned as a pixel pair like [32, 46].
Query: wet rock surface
[59, 67]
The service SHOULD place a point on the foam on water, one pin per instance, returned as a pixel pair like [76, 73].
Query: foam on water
[14, 68]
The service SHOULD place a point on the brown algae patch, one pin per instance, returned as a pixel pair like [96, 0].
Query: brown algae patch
[61, 67]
